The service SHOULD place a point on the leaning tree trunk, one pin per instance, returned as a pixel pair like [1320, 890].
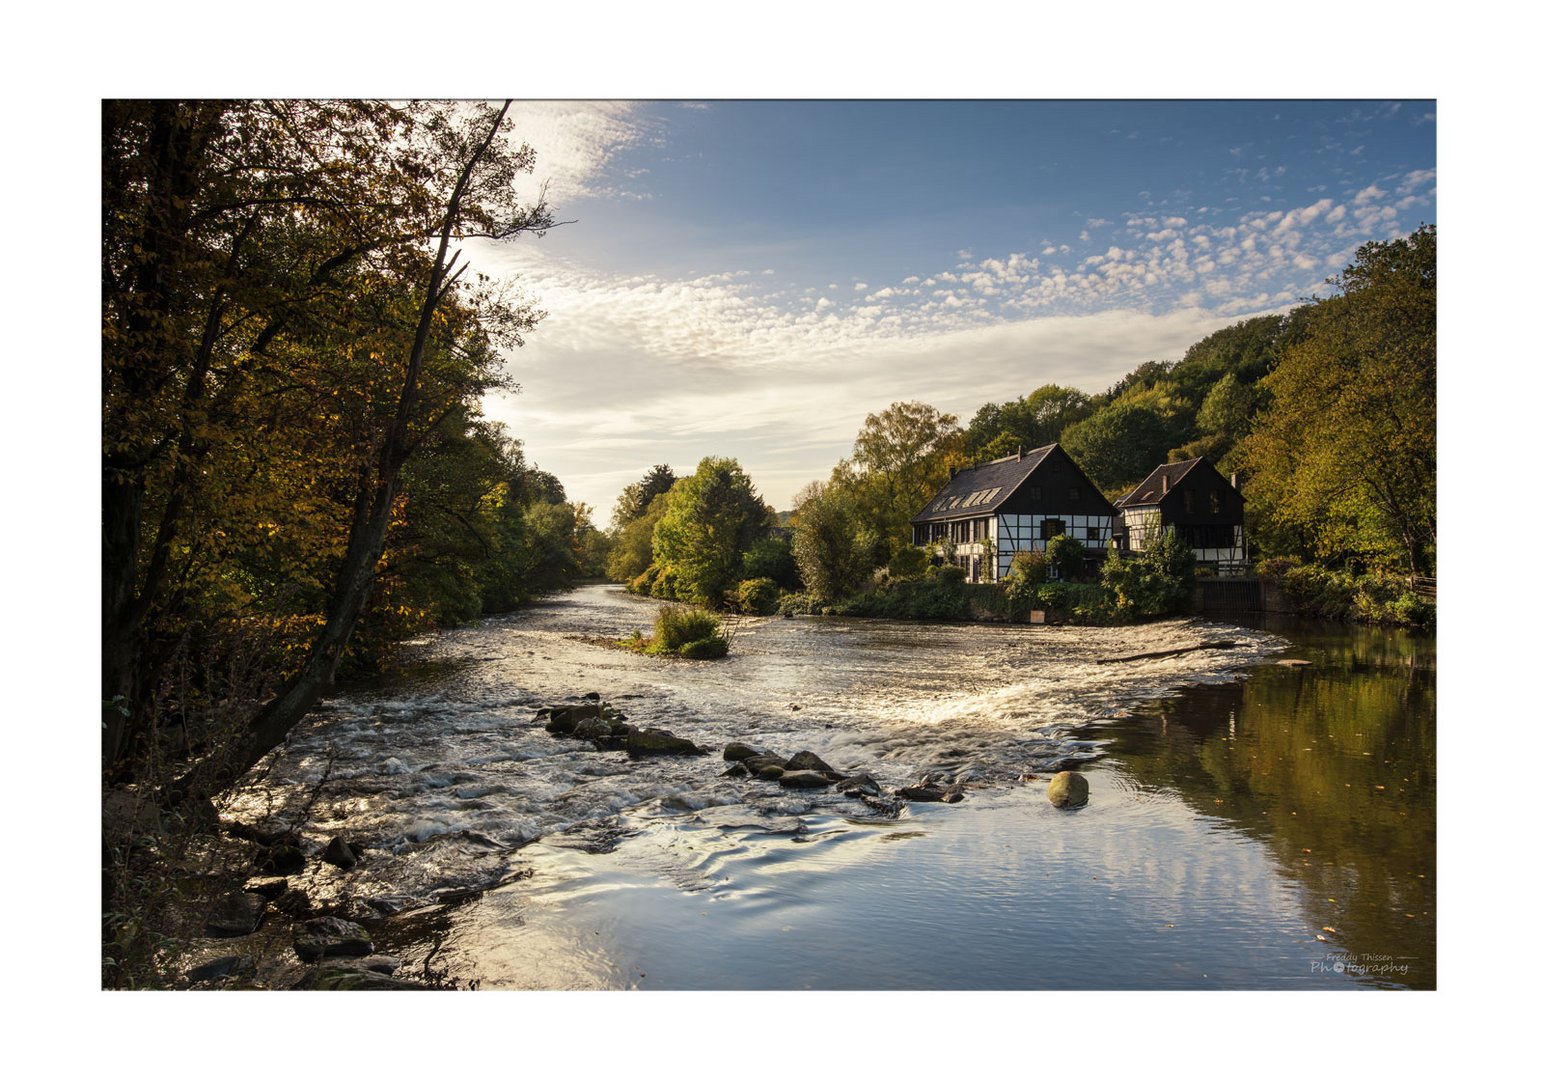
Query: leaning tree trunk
[379, 484]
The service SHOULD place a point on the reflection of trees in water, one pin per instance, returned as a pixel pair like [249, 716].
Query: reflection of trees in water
[1332, 766]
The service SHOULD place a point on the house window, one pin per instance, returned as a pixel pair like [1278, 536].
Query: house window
[1073, 494]
[1091, 533]
[1216, 501]
[1050, 527]
[1190, 502]
[1034, 492]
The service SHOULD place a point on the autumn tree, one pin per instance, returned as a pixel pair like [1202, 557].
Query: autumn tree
[1343, 464]
[900, 458]
[284, 328]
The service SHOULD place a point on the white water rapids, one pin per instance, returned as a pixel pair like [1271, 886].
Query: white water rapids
[443, 776]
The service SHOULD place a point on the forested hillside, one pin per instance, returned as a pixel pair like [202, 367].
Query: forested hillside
[1326, 413]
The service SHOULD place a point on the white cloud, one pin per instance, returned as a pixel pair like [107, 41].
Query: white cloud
[576, 144]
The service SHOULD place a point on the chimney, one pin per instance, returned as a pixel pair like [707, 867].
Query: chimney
[1165, 483]
[1021, 451]
[1233, 479]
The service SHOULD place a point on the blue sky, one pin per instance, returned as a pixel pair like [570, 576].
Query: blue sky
[752, 278]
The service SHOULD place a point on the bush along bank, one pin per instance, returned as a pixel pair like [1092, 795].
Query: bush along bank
[1121, 590]
[1377, 599]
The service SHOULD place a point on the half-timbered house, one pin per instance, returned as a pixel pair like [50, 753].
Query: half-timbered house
[1198, 502]
[988, 513]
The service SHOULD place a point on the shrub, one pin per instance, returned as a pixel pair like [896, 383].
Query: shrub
[705, 649]
[1067, 555]
[908, 564]
[1158, 581]
[756, 596]
[682, 631]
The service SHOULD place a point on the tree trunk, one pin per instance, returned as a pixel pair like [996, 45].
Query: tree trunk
[367, 533]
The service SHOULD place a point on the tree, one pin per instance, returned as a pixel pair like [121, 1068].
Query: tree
[713, 518]
[1037, 420]
[279, 342]
[632, 545]
[833, 560]
[1119, 445]
[636, 497]
[1343, 463]
[900, 458]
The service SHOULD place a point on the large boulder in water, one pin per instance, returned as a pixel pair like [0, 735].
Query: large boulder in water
[1067, 790]
[806, 760]
[563, 721]
[652, 741]
[739, 751]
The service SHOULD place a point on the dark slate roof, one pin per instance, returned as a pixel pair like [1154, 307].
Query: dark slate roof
[1151, 491]
[977, 491]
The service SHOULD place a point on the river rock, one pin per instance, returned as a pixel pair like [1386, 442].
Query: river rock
[236, 915]
[922, 793]
[855, 787]
[593, 727]
[331, 936]
[340, 853]
[563, 721]
[1068, 790]
[738, 751]
[806, 760]
[651, 741]
[335, 977]
[737, 770]
[770, 772]
[271, 887]
[804, 778]
[222, 968]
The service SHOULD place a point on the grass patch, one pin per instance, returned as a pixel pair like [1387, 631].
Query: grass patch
[682, 631]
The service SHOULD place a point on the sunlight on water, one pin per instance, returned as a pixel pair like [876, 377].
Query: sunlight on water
[665, 873]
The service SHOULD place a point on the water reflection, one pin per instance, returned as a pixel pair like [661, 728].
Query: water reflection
[1332, 766]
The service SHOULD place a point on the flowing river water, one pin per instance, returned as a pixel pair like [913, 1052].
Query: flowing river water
[1254, 822]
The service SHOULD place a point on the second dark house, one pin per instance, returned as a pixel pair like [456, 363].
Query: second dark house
[1198, 502]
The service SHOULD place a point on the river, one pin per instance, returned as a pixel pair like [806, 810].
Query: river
[1254, 821]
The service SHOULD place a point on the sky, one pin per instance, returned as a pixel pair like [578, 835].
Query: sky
[752, 278]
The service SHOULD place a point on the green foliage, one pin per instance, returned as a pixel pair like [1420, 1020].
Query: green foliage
[632, 544]
[1029, 571]
[941, 596]
[832, 558]
[1159, 581]
[1037, 420]
[772, 557]
[1066, 554]
[637, 497]
[1381, 599]
[900, 458]
[689, 632]
[1343, 463]
[714, 516]
[1119, 445]
[908, 564]
[757, 596]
